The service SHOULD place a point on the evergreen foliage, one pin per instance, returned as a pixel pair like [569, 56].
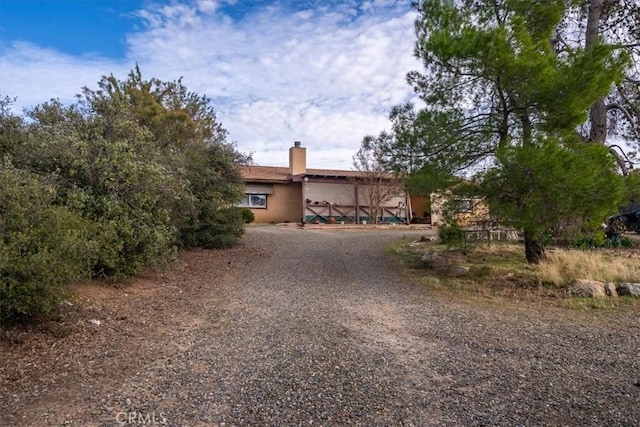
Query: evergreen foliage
[43, 247]
[502, 106]
[119, 180]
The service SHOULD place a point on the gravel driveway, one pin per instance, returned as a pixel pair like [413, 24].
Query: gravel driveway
[318, 327]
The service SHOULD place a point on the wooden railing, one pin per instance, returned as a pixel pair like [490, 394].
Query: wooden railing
[349, 214]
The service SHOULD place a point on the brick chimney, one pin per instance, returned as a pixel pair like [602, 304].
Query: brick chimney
[297, 159]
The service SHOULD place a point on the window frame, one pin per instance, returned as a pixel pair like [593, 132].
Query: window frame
[247, 201]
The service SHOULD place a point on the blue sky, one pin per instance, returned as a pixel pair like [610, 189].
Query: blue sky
[63, 25]
[322, 72]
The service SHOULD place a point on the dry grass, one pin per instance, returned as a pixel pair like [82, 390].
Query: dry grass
[500, 272]
[564, 266]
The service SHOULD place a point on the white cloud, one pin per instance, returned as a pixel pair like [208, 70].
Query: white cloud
[35, 75]
[325, 75]
[207, 6]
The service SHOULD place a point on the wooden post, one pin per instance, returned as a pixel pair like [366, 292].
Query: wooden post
[355, 187]
[304, 200]
[407, 208]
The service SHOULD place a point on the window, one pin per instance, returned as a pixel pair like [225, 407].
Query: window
[254, 201]
[463, 205]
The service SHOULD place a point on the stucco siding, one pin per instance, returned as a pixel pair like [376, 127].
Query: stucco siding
[338, 194]
[283, 205]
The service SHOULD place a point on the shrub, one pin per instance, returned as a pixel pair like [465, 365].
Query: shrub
[599, 240]
[43, 247]
[215, 228]
[247, 216]
[451, 234]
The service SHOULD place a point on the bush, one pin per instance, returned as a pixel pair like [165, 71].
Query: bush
[247, 216]
[43, 247]
[599, 240]
[124, 177]
[215, 228]
[451, 234]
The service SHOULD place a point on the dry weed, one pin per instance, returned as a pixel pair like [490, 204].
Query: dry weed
[564, 266]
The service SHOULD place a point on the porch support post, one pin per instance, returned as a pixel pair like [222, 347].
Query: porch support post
[407, 207]
[355, 186]
[304, 200]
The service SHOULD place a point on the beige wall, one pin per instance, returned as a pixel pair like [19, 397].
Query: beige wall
[344, 194]
[339, 199]
[338, 193]
[285, 204]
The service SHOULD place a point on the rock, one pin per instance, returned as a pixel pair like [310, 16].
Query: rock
[628, 288]
[95, 322]
[424, 240]
[587, 288]
[460, 270]
[429, 257]
[434, 260]
[610, 289]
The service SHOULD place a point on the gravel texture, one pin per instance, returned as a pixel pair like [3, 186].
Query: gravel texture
[314, 327]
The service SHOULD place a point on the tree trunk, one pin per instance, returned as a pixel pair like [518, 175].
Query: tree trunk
[533, 249]
[598, 117]
[598, 112]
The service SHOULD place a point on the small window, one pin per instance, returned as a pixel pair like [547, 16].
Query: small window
[463, 205]
[254, 201]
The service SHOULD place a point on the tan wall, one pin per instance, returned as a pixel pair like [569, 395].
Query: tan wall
[397, 196]
[285, 204]
[297, 160]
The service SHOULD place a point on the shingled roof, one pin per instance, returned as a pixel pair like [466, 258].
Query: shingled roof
[281, 174]
[265, 174]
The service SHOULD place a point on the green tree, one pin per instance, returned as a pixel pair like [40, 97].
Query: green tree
[190, 143]
[146, 161]
[538, 187]
[11, 129]
[43, 247]
[494, 82]
[111, 174]
[108, 185]
[217, 183]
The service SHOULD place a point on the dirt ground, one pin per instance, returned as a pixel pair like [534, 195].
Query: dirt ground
[298, 327]
[103, 333]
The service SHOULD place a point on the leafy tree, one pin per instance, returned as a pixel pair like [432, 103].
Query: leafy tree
[496, 91]
[11, 129]
[43, 247]
[217, 183]
[108, 185]
[146, 161]
[110, 173]
[189, 142]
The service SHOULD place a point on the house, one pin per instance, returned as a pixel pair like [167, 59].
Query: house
[467, 212]
[297, 194]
